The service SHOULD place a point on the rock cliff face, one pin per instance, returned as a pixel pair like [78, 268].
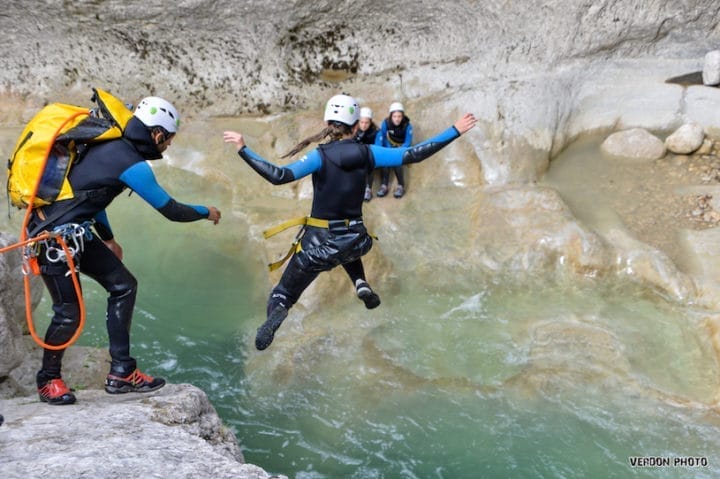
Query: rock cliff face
[227, 58]
[12, 309]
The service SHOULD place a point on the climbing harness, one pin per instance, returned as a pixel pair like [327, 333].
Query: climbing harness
[74, 235]
[305, 221]
[30, 267]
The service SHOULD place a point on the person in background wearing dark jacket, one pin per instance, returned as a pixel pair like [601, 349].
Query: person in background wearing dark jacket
[395, 131]
[337, 235]
[366, 133]
[105, 171]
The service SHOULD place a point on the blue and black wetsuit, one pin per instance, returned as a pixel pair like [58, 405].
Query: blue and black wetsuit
[392, 136]
[105, 170]
[339, 170]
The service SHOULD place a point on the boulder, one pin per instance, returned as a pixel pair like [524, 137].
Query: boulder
[686, 139]
[635, 143]
[711, 68]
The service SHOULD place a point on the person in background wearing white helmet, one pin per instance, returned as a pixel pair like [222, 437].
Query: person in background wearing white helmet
[105, 170]
[366, 133]
[339, 169]
[395, 131]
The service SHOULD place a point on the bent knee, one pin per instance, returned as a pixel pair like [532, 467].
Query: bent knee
[123, 283]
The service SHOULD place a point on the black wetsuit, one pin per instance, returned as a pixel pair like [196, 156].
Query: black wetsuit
[103, 173]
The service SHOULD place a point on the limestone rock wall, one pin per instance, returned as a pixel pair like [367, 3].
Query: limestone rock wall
[228, 57]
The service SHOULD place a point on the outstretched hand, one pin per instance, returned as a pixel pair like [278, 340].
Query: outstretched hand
[465, 123]
[213, 214]
[235, 138]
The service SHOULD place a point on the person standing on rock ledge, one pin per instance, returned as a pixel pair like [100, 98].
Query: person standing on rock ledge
[105, 171]
[334, 234]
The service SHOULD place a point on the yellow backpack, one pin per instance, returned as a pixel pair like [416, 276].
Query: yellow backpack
[53, 141]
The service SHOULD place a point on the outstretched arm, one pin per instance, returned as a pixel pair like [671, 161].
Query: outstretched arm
[141, 179]
[277, 175]
[385, 157]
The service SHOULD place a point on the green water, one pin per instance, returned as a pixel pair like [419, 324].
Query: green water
[498, 378]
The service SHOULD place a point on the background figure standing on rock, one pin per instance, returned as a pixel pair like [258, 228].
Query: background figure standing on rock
[395, 131]
[366, 134]
[105, 171]
[334, 234]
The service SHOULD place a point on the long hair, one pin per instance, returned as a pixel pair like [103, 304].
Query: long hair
[334, 130]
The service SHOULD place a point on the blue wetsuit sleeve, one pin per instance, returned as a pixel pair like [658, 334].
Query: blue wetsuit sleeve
[408, 136]
[140, 178]
[385, 157]
[279, 175]
[102, 226]
[306, 165]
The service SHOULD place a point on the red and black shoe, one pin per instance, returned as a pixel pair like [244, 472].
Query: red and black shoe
[135, 382]
[56, 392]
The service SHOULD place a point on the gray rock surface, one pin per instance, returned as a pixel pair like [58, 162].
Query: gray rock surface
[227, 57]
[635, 143]
[174, 432]
[686, 139]
[12, 306]
[711, 68]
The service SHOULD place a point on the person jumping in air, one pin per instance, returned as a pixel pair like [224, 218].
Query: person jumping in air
[334, 233]
[106, 170]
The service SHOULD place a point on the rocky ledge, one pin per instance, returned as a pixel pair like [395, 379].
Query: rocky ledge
[174, 432]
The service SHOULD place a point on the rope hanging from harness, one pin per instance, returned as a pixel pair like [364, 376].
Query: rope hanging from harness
[30, 266]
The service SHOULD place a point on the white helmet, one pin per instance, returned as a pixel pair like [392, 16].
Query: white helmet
[396, 106]
[154, 111]
[365, 112]
[342, 108]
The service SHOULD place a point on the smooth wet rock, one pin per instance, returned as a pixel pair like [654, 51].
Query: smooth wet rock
[686, 139]
[635, 143]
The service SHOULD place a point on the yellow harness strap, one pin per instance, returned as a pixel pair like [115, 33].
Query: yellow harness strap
[302, 220]
[296, 246]
[293, 249]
